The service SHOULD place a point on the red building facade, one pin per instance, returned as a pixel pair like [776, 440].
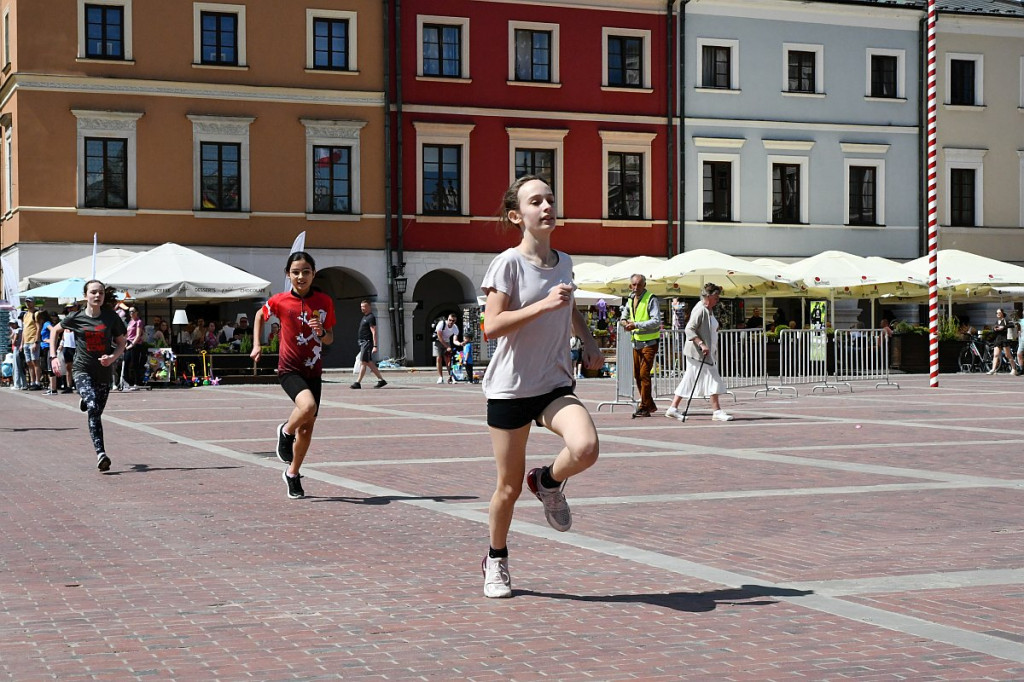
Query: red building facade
[486, 91]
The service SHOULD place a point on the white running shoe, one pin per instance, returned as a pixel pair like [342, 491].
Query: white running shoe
[721, 416]
[673, 413]
[497, 581]
[440, 380]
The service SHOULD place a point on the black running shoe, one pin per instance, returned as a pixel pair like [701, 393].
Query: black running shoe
[284, 445]
[355, 384]
[295, 490]
[381, 384]
[103, 462]
[82, 406]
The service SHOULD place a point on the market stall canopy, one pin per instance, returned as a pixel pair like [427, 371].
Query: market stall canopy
[687, 273]
[967, 274]
[173, 271]
[614, 279]
[837, 274]
[81, 267]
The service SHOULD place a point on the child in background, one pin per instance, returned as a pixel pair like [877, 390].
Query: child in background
[467, 356]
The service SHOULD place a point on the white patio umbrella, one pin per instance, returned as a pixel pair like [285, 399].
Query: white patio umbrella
[82, 267]
[614, 279]
[71, 288]
[173, 271]
[961, 272]
[687, 273]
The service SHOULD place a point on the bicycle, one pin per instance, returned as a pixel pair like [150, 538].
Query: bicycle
[976, 355]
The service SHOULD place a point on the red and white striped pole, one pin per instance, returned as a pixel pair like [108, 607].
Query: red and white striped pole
[933, 222]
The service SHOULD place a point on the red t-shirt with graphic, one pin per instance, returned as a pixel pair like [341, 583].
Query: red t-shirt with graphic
[299, 348]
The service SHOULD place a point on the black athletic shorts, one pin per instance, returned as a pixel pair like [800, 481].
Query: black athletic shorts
[294, 384]
[514, 413]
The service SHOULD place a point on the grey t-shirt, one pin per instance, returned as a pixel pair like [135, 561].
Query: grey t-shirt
[533, 359]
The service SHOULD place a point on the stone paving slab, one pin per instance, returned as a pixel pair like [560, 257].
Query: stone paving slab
[787, 545]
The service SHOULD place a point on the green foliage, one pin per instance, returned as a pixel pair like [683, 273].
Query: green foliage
[907, 328]
[949, 329]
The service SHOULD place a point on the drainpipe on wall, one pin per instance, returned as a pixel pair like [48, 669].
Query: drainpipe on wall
[922, 137]
[400, 130]
[670, 150]
[681, 87]
[397, 350]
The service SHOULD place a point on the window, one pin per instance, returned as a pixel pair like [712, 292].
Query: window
[330, 44]
[443, 50]
[717, 192]
[964, 186]
[625, 185]
[961, 197]
[785, 193]
[964, 80]
[106, 172]
[442, 169]
[442, 179]
[886, 74]
[7, 39]
[219, 36]
[883, 76]
[331, 41]
[961, 86]
[627, 173]
[715, 66]
[625, 62]
[104, 30]
[220, 152]
[332, 156]
[222, 176]
[538, 151]
[5, 121]
[533, 53]
[863, 183]
[539, 162]
[106, 154]
[804, 69]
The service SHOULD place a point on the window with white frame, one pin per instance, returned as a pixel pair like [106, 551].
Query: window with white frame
[443, 47]
[332, 40]
[964, 79]
[220, 161]
[788, 200]
[6, 122]
[442, 168]
[803, 71]
[626, 58]
[533, 53]
[626, 169]
[864, 198]
[219, 34]
[540, 152]
[719, 199]
[964, 186]
[7, 39]
[106, 159]
[105, 29]
[332, 167]
[886, 74]
[718, 64]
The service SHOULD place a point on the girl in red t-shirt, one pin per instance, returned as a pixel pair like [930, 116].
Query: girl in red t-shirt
[307, 322]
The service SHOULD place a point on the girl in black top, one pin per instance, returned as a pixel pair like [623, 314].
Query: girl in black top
[99, 342]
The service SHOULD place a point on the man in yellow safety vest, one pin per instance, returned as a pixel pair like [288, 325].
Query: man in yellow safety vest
[642, 318]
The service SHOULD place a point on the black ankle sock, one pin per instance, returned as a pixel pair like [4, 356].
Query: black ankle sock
[498, 553]
[547, 480]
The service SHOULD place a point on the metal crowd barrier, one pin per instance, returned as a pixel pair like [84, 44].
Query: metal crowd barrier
[862, 354]
[741, 360]
[624, 384]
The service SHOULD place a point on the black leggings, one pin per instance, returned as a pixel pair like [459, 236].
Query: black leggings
[94, 395]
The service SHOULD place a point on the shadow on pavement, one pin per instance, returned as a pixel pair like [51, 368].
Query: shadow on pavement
[685, 601]
[388, 499]
[25, 429]
[145, 469]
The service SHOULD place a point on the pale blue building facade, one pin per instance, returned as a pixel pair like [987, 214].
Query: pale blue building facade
[802, 127]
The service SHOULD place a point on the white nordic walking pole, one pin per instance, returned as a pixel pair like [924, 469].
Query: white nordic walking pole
[695, 380]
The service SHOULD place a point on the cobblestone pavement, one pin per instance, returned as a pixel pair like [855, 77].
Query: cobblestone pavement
[872, 535]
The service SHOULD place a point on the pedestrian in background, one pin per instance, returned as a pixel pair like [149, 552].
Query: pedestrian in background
[367, 339]
[641, 317]
[702, 378]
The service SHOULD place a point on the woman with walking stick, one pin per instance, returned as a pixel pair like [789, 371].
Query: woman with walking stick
[701, 350]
